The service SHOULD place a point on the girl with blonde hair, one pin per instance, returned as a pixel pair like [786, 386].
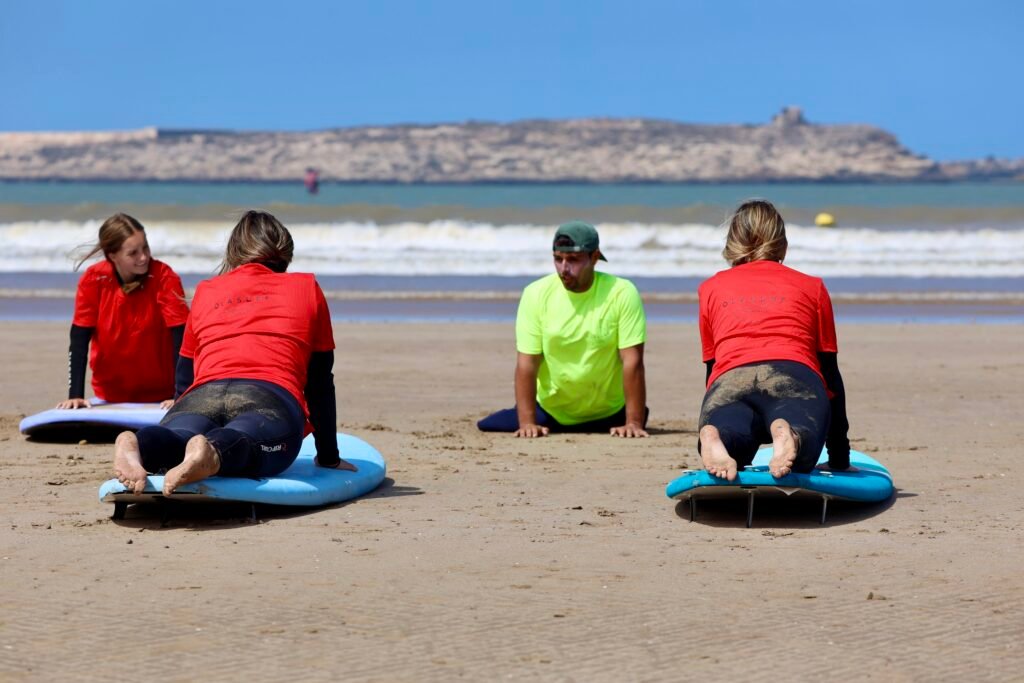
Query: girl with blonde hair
[768, 339]
[255, 372]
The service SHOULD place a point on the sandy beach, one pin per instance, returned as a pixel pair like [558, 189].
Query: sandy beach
[484, 557]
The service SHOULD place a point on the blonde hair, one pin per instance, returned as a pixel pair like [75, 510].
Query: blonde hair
[258, 238]
[756, 233]
[113, 233]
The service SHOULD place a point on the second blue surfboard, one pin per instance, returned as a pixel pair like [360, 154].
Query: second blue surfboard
[870, 483]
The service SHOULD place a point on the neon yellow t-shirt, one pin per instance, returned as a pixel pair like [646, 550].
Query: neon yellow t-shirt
[579, 335]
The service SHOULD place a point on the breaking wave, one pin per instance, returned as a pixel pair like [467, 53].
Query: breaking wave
[460, 247]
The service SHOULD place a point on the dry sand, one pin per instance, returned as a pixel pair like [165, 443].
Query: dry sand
[484, 557]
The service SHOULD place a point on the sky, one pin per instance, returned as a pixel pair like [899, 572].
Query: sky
[945, 77]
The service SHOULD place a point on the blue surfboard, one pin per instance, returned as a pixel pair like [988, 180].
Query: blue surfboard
[302, 484]
[871, 483]
[72, 424]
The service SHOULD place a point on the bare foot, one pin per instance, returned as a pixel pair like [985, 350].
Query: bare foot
[201, 461]
[716, 458]
[128, 462]
[785, 444]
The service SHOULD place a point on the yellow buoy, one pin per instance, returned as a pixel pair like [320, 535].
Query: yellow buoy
[825, 220]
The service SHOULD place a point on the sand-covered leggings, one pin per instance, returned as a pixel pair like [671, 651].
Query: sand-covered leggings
[744, 401]
[255, 426]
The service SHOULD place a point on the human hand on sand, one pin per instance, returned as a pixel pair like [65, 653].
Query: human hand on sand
[74, 403]
[340, 465]
[531, 431]
[825, 467]
[630, 430]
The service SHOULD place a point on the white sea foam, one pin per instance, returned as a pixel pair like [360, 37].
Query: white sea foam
[452, 247]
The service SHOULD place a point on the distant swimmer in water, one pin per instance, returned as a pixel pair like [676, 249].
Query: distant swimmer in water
[312, 180]
[769, 341]
[131, 309]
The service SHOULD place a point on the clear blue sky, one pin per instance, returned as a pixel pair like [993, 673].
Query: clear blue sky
[946, 77]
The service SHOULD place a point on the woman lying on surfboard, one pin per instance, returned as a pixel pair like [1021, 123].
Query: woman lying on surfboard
[255, 372]
[132, 309]
[769, 342]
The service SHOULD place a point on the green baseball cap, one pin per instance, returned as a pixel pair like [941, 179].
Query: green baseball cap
[582, 235]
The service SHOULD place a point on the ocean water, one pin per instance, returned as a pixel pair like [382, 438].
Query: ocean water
[488, 196]
[938, 251]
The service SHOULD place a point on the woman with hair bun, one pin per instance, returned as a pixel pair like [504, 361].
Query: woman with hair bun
[768, 339]
[131, 308]
[255, 372]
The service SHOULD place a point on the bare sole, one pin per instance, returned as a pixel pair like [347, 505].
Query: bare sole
[201, 461]
[714, 455]
[128, 462]
[785, 444]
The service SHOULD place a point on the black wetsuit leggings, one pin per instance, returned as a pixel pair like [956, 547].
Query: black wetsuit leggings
[743, 403]
[255, 426]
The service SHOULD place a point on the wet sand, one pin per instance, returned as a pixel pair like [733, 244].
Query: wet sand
[485, 557]
[500, 307]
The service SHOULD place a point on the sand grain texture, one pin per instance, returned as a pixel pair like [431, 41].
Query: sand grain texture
[485, 557]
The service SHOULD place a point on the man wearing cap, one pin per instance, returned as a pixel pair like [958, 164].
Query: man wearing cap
[580, 337]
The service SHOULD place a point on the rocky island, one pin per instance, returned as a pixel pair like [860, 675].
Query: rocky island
[788, 148]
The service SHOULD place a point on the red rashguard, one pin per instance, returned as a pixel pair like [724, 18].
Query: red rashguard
[763, 311]
[131, 353]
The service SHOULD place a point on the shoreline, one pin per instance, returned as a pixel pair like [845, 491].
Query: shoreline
[428, 307]
[938, 298]
[45, 296]
[682, 289]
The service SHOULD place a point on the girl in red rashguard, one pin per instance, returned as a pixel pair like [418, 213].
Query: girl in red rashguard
[131, 308]
[254, 374]
[769, 342]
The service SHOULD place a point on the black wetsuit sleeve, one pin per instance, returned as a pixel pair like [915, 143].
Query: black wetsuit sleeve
[177, 335]
[78, 358]
[184, 375]
[710, 366]
[323, 408]
[838, 441]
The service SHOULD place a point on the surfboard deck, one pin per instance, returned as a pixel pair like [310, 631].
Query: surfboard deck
[872, 483]
[102, 418]
[303, 484]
